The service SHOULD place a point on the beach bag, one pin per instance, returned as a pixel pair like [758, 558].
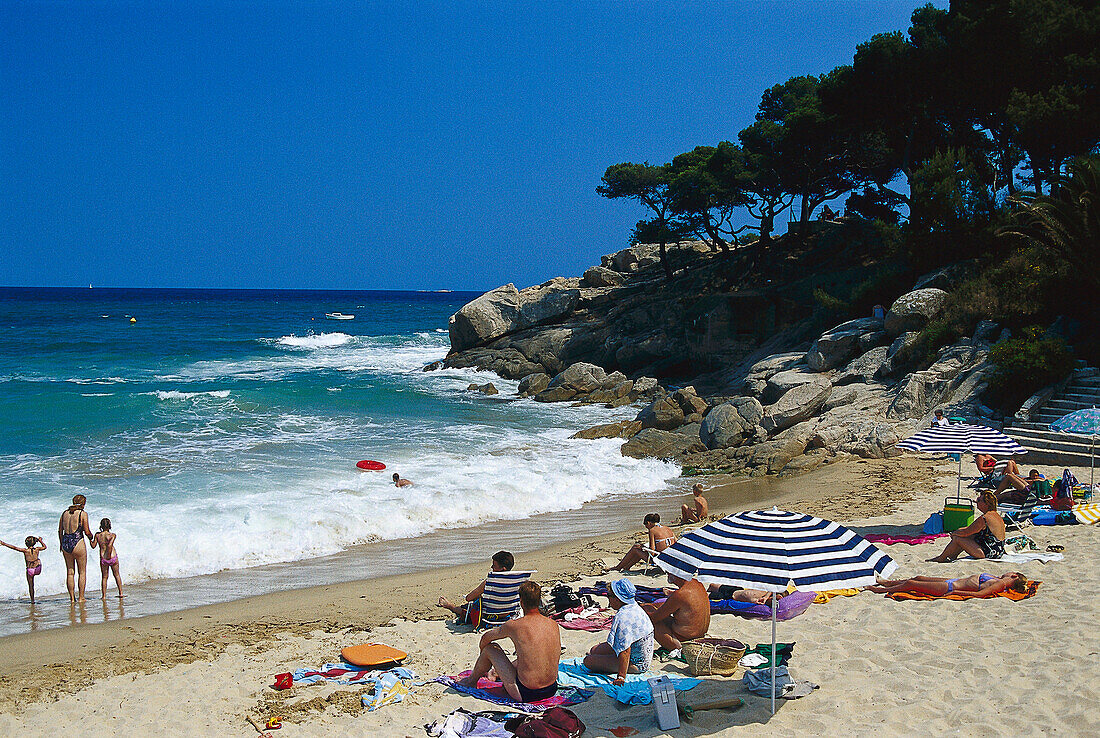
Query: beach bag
[1063, 492]
[712, 656]
[562, 598]
[934, 524]
[759, 681]
[557, 722]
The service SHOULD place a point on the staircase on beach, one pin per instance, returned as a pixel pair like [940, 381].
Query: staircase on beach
[1052, 448]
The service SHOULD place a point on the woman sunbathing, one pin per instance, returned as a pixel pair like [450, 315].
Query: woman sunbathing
[660, 538]
[982, 539]
[983, 585]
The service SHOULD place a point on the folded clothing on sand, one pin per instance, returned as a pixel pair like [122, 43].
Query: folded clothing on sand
[644, 594]
[635, 691]
[823, 597]
[790, 606]
[494, 692]
[1032, 588]
[338, 673]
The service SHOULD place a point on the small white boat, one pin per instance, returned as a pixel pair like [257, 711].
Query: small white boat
[339, 316]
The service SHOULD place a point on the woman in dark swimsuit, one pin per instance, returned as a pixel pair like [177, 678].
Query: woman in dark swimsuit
[982, 539]
[71, 530]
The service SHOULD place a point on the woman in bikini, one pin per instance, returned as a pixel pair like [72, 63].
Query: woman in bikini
[71, 530]
[660, 538]
[982, 585]
[35, 545]
[982, 539]
[108, 556]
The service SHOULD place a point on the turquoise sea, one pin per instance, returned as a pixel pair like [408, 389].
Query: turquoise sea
[219, 432]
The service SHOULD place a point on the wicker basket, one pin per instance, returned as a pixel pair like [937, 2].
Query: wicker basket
[707, 656]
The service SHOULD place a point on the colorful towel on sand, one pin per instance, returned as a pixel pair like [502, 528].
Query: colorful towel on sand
[494, 692]
[390, 686]
[338, 673]
[591, 624]
[889, 539]
[645, 594]
[823, 597]
[1088, 514]
[634, 692]
[1032, 588]
[790, 606]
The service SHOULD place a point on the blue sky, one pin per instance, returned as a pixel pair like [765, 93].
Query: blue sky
[361, 145]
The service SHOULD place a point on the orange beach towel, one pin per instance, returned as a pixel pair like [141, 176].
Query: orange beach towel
[1032, 588]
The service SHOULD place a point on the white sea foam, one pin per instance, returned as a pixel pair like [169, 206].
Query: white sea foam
[177, 395]
[315, 340]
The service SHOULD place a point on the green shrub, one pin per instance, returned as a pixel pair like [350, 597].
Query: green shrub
[1024, 365]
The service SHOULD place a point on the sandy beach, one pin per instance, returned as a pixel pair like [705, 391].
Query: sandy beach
[884, 667]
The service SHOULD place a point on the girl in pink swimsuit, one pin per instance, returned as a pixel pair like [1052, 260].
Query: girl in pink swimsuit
[108, 556]
[30, 555]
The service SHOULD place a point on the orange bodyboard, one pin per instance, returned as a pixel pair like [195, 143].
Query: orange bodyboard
[370, 655]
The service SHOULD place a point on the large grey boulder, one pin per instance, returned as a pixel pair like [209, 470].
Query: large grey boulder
[580, 377]
[786, 380]
[913, 310]
[556, 394]
[921, 391]
[837, 345]
[631, 259]
[798, 404]
[896, 354]
[532, 384]
[660, 444]
[863, 368]
[506, 309]
[690, 403]
[731, 423]
[663, 413]
[756, 380]
[622, 429]
[645, 387]
[599, 276]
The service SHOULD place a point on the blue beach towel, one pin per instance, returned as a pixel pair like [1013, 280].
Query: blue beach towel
[573, 672]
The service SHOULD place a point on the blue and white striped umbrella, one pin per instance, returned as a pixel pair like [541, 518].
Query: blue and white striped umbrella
[769, 550]
[1083, 423]
[962, 438]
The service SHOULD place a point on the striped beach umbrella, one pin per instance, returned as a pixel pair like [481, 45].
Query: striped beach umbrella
[1083, 423]
[772, 549]
[962, 438]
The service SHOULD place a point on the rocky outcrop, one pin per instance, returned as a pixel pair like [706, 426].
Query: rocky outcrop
[731, 423]
[622, 429]
[798, 404]
[631, 259]
[920, 392]
[505, 310]
[837, 345]
[864, 368]
[756, 380]
[913, 310]
[532, 384]
[581, 377]
[781, 382]
[664, 413]
[661, 444]
[599, 276]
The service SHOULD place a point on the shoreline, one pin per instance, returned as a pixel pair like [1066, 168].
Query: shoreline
[40, 665]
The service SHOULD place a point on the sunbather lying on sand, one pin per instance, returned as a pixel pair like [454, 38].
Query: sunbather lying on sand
[982, 585]
[738, 594]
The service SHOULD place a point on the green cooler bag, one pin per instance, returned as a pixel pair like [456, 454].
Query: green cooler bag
[958, 512]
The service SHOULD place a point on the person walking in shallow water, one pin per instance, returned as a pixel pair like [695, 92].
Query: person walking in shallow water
[399, 482]
[35, 545]
[72, 528]
[108, 556]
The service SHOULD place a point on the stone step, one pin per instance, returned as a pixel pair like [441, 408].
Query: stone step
[1037, 431]
[1089, 399]
[1050, 444]
[1047, 457]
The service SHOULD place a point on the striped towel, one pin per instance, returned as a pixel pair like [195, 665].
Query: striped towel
[500, 598]
[1087, 514]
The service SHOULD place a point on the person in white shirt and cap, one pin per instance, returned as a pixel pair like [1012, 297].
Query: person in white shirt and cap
[629, 645]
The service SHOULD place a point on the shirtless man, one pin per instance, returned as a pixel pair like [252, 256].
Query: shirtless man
[685, 615]
[701, 510]
[399, 482]
[533, 676]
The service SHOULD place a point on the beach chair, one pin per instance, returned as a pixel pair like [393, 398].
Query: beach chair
[500, 598]
[993, 477]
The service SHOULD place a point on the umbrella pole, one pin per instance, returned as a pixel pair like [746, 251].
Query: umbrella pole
[959, 489]
[775, 608]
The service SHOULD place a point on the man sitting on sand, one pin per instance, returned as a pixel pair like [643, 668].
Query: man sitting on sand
[629, 646]
[701, 510]
[683, 616]
[533, 676]
[399, 482]
[502, 561]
